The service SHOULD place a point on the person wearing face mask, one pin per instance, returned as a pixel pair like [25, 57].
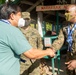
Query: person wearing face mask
[13, 43]
[31, 67]
[68, 33]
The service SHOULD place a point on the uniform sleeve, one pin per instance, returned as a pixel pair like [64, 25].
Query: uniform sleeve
[74, 41]
[74, 36]
[19, 43]
[57, 44]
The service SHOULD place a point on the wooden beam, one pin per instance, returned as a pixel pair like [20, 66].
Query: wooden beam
[27, 2]
[34, 5]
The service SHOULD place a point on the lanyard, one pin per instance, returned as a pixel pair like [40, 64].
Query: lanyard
[70, 31]
[5, 21]
[70, 39]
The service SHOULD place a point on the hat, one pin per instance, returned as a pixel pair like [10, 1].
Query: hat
[26, 15]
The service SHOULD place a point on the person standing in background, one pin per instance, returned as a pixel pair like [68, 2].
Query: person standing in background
[31, 67]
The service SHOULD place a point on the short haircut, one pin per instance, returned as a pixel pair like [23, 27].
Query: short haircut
[72, 7]
[7, 8]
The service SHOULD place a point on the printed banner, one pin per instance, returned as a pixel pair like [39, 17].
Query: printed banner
[53, 7]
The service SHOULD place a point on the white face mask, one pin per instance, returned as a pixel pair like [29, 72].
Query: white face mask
[21, 22]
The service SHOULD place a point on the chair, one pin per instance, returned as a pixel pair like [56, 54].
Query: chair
[52, 38]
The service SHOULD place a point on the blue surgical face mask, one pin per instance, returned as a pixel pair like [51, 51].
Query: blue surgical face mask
[21, 22]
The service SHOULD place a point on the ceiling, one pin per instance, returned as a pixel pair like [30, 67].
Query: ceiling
[30, 6]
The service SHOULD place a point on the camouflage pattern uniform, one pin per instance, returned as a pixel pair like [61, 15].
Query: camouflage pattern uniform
[31, 67]
[57, 44]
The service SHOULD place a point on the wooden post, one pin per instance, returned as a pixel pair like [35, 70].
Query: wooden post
[57, 23]
[39, 22]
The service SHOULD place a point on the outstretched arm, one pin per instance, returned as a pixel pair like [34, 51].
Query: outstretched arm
[37, 54]
[57, 44]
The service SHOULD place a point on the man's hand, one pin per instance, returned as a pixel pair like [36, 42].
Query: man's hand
[71, 64]
[51, 52]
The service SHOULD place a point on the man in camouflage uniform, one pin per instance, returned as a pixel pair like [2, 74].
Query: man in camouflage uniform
[30, 67]
[63, 34]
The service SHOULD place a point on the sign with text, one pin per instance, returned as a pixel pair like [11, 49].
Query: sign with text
[47, 42]
[52, 7]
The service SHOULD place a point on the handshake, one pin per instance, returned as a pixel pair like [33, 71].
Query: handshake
[51, 52]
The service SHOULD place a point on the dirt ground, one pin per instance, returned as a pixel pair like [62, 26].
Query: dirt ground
[48, 66]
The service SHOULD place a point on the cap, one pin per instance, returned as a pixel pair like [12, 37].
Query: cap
[26, 15]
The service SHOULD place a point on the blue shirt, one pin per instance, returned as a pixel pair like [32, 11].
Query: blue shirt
[12, 44]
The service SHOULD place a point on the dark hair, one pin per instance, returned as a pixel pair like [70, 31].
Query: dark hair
[7, 8]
